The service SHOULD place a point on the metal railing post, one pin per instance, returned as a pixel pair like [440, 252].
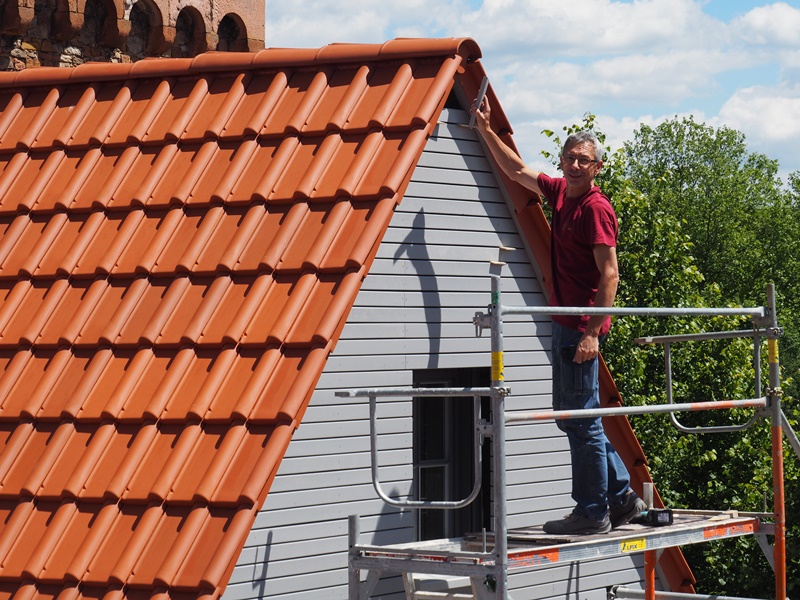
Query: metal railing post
[776, 417]
[353, 572]
[499, 442]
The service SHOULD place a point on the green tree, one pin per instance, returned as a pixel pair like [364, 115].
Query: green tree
[741, 226]
[742, 223]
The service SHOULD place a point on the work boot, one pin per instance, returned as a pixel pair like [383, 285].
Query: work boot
[577, 524]
[631, 507]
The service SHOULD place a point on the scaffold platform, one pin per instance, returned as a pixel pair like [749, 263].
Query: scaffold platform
[528, 547]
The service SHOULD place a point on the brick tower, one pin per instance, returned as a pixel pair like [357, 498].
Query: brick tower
[68, 33]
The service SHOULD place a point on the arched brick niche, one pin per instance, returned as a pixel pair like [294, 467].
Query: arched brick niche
[94, 23]
[232, 34]
[190, 34]
[146, 37]
[10, 23]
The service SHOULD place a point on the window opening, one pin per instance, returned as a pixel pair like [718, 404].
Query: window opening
[443, 453]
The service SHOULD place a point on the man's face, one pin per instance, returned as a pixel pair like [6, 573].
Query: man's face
[579, 177]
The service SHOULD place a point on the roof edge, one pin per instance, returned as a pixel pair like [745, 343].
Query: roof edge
[210, 62]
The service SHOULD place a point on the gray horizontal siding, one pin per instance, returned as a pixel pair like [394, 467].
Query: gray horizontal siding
[585, 580]
[414, 311]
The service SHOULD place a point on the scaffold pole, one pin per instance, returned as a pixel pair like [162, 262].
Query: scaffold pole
[776, 415]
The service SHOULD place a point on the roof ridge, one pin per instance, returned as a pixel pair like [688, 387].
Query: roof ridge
[211, 62]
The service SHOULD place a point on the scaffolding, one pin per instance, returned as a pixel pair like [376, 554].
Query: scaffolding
[486, 559]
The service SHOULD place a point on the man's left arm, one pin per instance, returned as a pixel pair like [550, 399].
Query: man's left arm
[605, 257]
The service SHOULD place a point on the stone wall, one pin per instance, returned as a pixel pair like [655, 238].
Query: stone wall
[67, 33]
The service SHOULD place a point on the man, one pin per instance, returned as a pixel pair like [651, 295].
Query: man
[584, 273]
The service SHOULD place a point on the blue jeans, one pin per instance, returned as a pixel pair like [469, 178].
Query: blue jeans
[599, 477]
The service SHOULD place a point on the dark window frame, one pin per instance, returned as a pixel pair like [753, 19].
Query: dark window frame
[443, 431]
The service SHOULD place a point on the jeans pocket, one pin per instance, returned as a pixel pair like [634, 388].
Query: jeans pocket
[576, 378]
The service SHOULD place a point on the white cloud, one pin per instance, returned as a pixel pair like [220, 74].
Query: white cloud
[310, 23]
[776, 24]
[768, 113]
[544, 89]
[532, 28]
[768, 116]
[538, 29]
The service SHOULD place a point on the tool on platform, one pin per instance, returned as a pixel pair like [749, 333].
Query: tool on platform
[479, 99]
[655, 517]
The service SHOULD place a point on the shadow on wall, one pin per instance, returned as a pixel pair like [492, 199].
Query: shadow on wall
[392, 527]
[260, 579]
[415, 248]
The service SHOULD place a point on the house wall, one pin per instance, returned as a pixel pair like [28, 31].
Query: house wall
[415, 311]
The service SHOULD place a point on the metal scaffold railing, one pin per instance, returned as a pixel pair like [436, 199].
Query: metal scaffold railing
[488, 570]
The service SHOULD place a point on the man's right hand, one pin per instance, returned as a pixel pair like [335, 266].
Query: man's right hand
[508, 160]
[482, 114]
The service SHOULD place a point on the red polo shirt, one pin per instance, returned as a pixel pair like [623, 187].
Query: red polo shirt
[578, 225]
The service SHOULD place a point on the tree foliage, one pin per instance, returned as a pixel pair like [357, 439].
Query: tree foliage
[704, 222]
[743, 223]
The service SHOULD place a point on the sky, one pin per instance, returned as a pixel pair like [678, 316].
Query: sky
[729, 63]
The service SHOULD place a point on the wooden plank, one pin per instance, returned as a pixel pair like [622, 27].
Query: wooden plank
[528, 462]
[413, 314]
[311, 464]
[443, 206]
[455, 146]
[456, 331]
[550, 506]
[531, 432]
[451, 125]
[439, 301]
[593, 578]
[538, 489]
[374, 529]
[336, 495]
[481, 255]
[354, 426]
[548, 473]
[326, 548]
[438, 224]
[423, 345]
[464, 193]
[423, 174]
[431, 282]
[332, 381]
[347, 446]
[424, 361]
[268, 582]
[305, 514]
[426, 240]
[377, 303]
[329, 415]
[436, 158]
[459, 116]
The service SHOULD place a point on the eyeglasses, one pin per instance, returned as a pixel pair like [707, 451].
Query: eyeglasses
[582, 160]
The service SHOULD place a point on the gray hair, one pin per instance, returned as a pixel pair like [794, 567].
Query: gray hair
[585, 135]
